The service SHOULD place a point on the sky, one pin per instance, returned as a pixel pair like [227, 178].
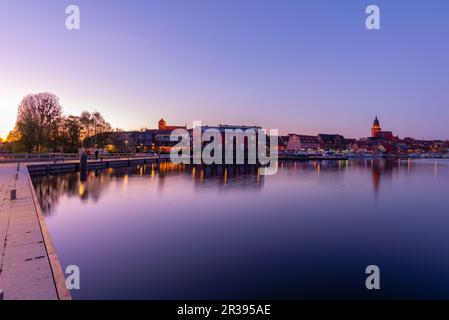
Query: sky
[298, 66]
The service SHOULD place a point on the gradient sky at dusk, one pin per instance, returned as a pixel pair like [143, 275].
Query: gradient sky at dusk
[300, 66]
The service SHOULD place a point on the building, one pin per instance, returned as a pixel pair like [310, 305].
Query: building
[282, 143]
[162, 125]
[161, 141]
[360, 146]
[332, 141]
[297, 142]
[143, 140]
[241, 136]
[377, 133]
[376, 129]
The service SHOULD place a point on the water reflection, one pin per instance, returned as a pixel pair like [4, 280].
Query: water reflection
[192, 232]
[50, 188]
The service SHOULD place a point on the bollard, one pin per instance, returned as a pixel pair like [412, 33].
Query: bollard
[13, 195]
[1, 295]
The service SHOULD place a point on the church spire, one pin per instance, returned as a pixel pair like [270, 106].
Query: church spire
[375, 129]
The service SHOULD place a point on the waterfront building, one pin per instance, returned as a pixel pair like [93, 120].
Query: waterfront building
[377, 133]
[162, 126]
[298, 142]
[282, 143]
[224, 128]
[161, 142]
[360, 146]
[332, 141]
[376, 129]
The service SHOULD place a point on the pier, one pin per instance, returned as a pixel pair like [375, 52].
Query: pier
[75, 165]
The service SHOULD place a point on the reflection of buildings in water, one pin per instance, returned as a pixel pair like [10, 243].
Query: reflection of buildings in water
[50, 188]
[329, 170]
[381, 168]
[227, 176]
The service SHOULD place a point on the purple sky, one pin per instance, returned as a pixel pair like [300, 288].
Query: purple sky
[299, 66]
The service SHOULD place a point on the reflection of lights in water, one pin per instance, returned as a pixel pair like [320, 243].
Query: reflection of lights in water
[409, 164]
[202, 175]
[193, 172]
[125, 180]
[225, 175]
[318, 169]
[81, 190]
[258, 175]
[435, 173]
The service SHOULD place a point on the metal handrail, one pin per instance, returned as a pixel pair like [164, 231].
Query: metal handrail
[65, 156]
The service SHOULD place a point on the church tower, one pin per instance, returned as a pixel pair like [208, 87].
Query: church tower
[375, 130]
[162, 124]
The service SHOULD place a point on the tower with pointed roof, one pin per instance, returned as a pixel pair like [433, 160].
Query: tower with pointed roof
[162, 124]
[376, 129]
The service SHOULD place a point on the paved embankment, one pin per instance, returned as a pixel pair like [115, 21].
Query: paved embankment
[29, 268]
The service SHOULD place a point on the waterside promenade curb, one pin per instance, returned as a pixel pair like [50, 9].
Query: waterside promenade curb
[29, 267]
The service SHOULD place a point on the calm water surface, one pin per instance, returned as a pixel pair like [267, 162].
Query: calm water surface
[176, 232]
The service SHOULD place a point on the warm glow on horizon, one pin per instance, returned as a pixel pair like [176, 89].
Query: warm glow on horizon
[189, 69]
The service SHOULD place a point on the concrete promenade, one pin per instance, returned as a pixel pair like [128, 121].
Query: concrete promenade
[29, 268]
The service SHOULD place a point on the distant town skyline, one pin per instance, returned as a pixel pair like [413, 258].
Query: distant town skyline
[298, 66]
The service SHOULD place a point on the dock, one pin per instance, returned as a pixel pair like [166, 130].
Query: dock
[74, 165]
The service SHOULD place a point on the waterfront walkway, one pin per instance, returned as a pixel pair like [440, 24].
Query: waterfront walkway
[29, 268]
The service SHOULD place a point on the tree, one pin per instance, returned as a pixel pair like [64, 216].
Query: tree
[95, 129]
[71, 134]
[13, 143]
[86, 125]
[101, 128]
[38, 121]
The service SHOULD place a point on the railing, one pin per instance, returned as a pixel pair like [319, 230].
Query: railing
[14, 157]
[38, 156]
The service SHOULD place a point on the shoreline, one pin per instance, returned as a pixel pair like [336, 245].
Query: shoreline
[29, 266]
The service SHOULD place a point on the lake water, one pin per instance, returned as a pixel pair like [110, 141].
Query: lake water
[310, 231]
